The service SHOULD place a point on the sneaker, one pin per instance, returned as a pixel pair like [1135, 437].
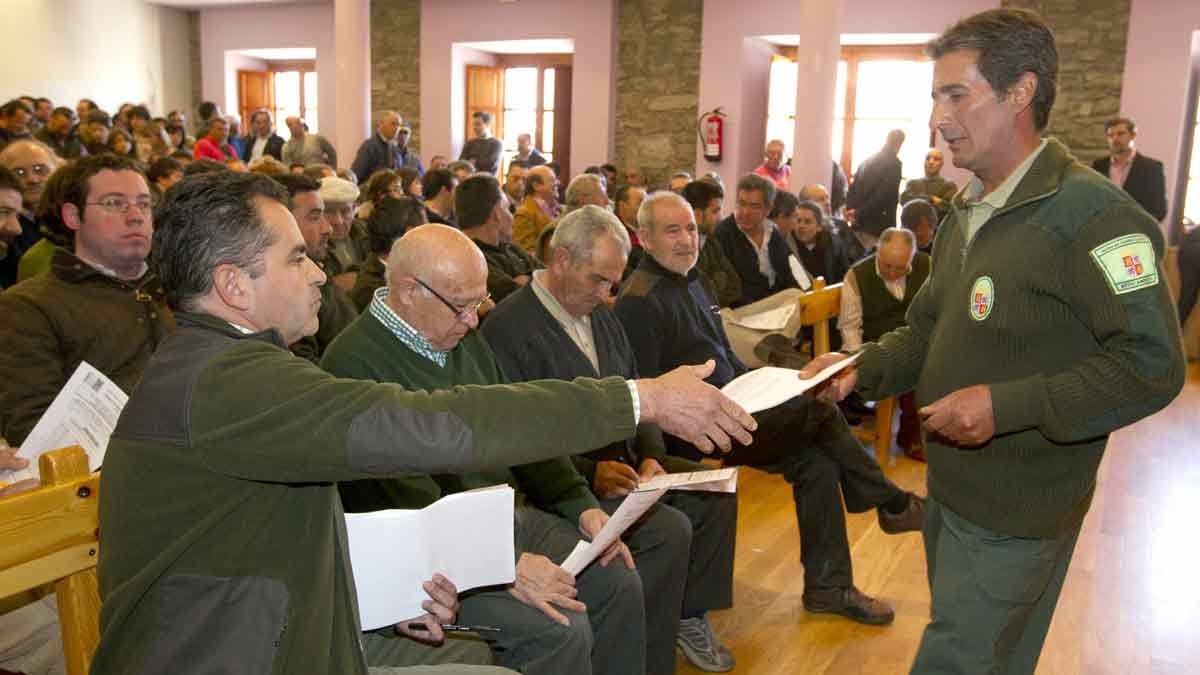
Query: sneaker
[908, 520]
[701, 648]
[850, 603]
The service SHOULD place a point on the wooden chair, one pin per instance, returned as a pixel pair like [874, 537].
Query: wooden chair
[51, 535]
[817, 309]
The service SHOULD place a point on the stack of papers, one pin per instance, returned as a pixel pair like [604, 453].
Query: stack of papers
[466, 537]
[770, 320]
[84, 413]
[637, 502]
[767, 387]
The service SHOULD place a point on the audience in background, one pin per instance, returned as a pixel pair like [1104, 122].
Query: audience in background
[305, 148]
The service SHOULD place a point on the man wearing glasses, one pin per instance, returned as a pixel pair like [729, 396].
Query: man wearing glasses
[418, 332]
[97, 303]
[32, 162]
[483, 215]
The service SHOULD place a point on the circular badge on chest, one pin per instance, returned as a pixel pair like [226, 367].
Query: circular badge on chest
[983, 298]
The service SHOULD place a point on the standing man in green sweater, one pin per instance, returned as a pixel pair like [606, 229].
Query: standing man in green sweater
[1043, 327]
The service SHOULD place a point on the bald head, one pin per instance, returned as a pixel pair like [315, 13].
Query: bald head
[435, 253]
[818, 193]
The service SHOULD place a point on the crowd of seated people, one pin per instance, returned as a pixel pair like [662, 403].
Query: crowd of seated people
[599, 275]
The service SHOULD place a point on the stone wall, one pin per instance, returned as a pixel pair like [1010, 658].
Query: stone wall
[658, 84]
[1091, 36]
[396, 62]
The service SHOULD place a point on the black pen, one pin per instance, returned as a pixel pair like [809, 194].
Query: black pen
[455, 628]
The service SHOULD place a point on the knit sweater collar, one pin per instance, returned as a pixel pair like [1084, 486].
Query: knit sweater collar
[1042, 180]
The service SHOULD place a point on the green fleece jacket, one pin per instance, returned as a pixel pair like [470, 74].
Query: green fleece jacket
[367, 350]
[1059, 305]
[224, 542]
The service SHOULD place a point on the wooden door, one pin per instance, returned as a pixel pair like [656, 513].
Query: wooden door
[485, 93]
[562, 119]
[256, 90]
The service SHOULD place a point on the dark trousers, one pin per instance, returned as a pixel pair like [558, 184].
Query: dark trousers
[609, 639]
[684, 549]
[910, 421]
[810, 444]
[993, 596]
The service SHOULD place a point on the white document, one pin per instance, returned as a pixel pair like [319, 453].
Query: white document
[770, 320]
[767, 387]
[84, 413]
[715, 480]
[466, 537]
[800, 273]
[628, 512]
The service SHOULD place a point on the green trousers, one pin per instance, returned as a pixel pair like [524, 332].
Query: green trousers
[993, 596]
[390, 654]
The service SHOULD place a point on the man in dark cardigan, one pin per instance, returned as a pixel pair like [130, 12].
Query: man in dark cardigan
[559, 326]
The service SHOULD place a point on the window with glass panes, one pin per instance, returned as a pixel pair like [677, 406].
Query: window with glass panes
[295, 96]
[528, 109]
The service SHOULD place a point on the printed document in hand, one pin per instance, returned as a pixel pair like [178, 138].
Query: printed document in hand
[800, 273]
[628, 512]
[84, 413]
[466, 537]
[767, 387]
[715, 480]
[770, 320]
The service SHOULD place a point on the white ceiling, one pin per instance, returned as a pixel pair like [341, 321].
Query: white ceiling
[860, 39]
[548, 46]
[287, 54]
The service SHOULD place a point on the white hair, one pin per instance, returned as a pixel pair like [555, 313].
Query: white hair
[645, 214]
[578, 231]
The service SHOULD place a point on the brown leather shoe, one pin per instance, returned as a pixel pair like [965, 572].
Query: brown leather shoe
[908, 520]
[850, 603]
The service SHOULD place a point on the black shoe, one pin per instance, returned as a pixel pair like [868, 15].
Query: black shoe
[850, 603]
[908, 520]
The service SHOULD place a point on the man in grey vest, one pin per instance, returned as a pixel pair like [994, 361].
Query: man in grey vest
[876, 294]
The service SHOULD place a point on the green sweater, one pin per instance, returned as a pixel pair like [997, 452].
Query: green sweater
[1069, 356]
[224, 544]
[368, 350]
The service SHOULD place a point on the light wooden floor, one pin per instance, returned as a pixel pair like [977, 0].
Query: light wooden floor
[1131, 604]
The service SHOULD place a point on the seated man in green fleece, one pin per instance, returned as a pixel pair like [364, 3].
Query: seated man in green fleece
[225, 547]
[419, 332]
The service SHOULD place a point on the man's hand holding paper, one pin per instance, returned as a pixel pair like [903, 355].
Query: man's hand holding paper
[683, 404]
[590, 524]
[440, 608]
[542, 584]
[837, 387]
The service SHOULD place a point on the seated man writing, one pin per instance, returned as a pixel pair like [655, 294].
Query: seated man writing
[225, 542]
[670, 318]
[560, 326]
[419, 333]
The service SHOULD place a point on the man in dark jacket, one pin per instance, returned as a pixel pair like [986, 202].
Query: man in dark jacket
[379, 151]
[1141, 176]
[262, 140]
[669, 317]
[559, 326]
[876, 190]
[753, 244]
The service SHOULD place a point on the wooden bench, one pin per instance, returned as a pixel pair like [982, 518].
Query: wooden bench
[818, 308]
[51, 535]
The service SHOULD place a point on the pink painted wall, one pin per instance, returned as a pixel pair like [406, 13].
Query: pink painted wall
[1156, 75]
[592, 25]
[756, 82]
[269, 26]
[723, 64]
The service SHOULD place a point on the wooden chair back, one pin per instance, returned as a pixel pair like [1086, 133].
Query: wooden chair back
[52, 535]
[818, 308]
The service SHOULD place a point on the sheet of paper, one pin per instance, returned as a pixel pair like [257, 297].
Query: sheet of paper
[714, 480]
[467, 537]
[770, 320]
[800, 273]
[767, 387]
[84, 413]
[628, 512]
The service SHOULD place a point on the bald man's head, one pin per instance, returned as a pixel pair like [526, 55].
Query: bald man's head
[437, 277]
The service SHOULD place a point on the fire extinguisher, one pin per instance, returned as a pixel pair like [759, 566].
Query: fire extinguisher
[711, 127]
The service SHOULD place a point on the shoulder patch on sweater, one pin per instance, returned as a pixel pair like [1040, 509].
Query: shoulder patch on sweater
[983, 298]
[1127, 263]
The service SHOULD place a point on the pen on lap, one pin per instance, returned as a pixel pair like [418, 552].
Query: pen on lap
[455, 628]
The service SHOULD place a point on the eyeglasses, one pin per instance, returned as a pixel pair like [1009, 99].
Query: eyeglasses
[121, 205]
[461, 313]
[36, 169]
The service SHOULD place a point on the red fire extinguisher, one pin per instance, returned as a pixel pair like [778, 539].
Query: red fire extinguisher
[711, 127]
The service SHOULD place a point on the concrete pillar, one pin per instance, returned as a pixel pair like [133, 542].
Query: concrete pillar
[352, 59]
[816, 80]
